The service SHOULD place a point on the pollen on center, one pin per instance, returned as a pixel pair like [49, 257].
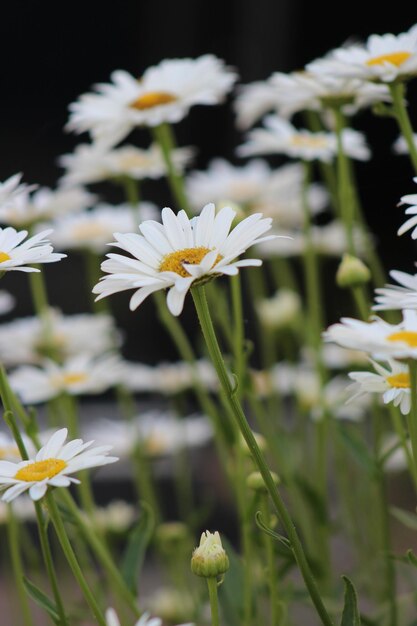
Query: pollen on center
[174, 262]
[39, 470]
[153, 99]
[4, 257]
[395, 58]
[399, 381]
[406, 336]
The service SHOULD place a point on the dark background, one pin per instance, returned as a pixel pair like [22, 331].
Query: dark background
[52, 52]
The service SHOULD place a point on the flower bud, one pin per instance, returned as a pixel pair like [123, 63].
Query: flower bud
[209, 559]
[352, 272]
[255, 481]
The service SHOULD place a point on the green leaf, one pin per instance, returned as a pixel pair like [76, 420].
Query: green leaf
[138, 541]
[350, 616]
[405, 517]
[358, 449]
[42, 600]
[230, 592]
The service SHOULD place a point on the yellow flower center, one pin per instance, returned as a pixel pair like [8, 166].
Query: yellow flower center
[309, 141]
[395, 58]
[400, 381]
[153, 99]
[71, 378]
[39, 470]
[174, 261]
[4, 257]
[406, 336]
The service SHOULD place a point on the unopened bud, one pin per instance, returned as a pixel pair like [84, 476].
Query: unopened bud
[209, 559]
[352, 272]
[255, 481]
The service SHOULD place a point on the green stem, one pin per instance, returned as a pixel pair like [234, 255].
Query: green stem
[17, 565]
[101, 552]
[346, 197]
[238, 332]
[402, 436]
[165, 137]
[400, 111]
[214, 602]
[72, 559]
[326, 169]
[271, 564]
[412, 417]
[259, 459]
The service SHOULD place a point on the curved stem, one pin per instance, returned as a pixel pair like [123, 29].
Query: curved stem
[400, 110]
[259, 459]
[238, 332]
[72, 559]
[412, 417]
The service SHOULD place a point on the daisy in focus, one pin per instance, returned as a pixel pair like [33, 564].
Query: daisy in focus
[164, 93]
[392, 382]
[180, 253]
[382, 340]
[93, 163]
[51, 466]
[16, 253]
[383, 58]
[281, 137]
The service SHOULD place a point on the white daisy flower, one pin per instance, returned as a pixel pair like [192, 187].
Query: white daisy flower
[92, 163]
[377, 337]
[400, 145]
[224, 183]
[160, 433]
[44, 204]
[7, 302]
[253, 101]
[281, 137]
[180, 252]
[91, 230]
[51, 466]
[312, 91]
[165, 93]
[15, 255]
[12, 189]
[169, 378]
[392, 297]
[82, 374]
[23, 340]
[383, 58]
[393, 383]
[411, 223]
[282, 310]
[145, 620]
[282, 197]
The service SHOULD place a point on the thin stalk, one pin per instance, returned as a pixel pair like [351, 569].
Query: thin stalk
[203, 313]
[346, 197]
[214, 601]
[17, 566]
[327, 172]
[101, 552]
[246, 537]
[238, 332]
[72, 559]
[401, 115]
[402, 436]
[412, 417]
[164, 135]
[272, 578]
